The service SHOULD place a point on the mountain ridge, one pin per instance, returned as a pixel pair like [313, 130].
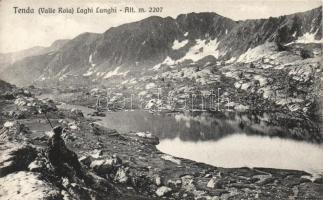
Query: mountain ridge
[151, 41]
[6, 59]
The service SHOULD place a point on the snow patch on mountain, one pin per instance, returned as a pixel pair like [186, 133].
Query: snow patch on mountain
[91, 61]
[231, 60]
[41, 78]
[61, 72]
[177, 45]
[90, 71]
[256, 53]
[168, 61]
[156, 67]
[308, 38]
[99, 74]
[115, 72]
[63, 77]
[201, 49]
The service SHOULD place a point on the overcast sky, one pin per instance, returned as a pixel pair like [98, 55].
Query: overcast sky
[23, 31]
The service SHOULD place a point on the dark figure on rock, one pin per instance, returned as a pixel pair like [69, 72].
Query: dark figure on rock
[61, 158]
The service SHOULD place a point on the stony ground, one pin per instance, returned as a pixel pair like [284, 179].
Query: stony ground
[116, 166]
[262, 79]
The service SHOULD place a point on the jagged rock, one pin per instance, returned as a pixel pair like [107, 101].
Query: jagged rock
[102, 166]
[69, 136]
[158, 180]
[36, 165]
[207, 175]
[77, 112]
[97, 153]
[144, 134]
[66, 195]
[147, 137]
[121, 175]
[173, 183]
[214, 183]
[21, 101]
[86, 160]
[188, 183]
[171, 159]
[162, 191]
[73, 126]
[27, 93]
[8, 124]
[65, 182]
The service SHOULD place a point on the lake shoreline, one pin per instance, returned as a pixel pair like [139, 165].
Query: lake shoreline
[141, 170]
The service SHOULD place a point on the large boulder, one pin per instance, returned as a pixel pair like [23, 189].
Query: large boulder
[162, 191]
[77, 112]
[103, 166]
[27, 185]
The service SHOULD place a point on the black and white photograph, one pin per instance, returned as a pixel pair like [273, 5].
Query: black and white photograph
[161, 99]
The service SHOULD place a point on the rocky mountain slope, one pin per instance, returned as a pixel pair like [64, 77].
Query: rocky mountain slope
[199, 59]
[7, 59]
[151, 41]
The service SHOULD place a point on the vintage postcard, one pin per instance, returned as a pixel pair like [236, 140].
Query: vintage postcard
[161, 99]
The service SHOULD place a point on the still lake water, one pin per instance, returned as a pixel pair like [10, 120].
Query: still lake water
[222, 140]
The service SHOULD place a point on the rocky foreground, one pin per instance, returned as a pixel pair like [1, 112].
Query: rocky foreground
[115, 166]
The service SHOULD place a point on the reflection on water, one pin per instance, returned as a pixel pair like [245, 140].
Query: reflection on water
[213, 126]
[164, 125]
[273, 140]
[241, 150]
